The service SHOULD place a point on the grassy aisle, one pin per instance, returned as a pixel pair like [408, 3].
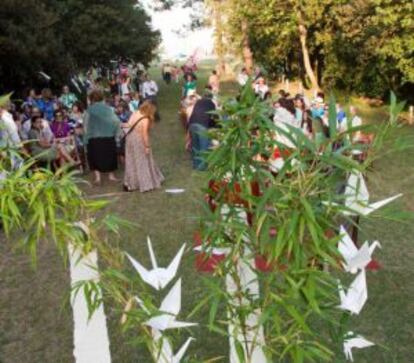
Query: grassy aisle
[170, 220]
[35, 328]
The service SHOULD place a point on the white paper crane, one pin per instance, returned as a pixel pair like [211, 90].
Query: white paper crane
[355, 259]
[357, 197]
[73, 80]
[170, 307]
[164, 352]
[356, 296]
[356, 342]
[213, 250]
[45, 76]
[158, 277]
[277, 164]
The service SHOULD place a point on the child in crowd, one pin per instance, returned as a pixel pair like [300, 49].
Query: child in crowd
[123, 112]
[135, 102]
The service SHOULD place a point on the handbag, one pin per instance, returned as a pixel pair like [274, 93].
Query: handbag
[123, 139]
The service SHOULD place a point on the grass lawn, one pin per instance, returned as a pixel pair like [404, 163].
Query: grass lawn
[36, 323]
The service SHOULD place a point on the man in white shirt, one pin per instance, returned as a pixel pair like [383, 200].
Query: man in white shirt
[9, 133]
[9, 137]
[149, 88]
[243, 77]
[149, 91]
[46, 132]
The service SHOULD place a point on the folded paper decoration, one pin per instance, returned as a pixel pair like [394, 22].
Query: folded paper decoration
[45, 76]
[73, 80]
[356, 296]
[91, 339]
[158, 277]
[164, 351]
[355, 259]
[357, 197]
[252, 337]
[170, 307]
[356, 342]
[212, 251]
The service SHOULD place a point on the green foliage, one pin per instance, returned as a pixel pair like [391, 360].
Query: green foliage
[38, 205]
[298, 298]
[361, 46]
[58, 37]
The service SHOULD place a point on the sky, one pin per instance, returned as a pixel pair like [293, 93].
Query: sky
[172, 21]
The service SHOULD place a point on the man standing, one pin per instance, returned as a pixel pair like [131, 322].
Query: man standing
[149, 91]
[201, 120]
[9, 135]
[149, 88]
[167, 73]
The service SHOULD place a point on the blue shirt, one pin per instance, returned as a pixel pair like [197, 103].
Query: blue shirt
[341, 115]
[47, 107]
[317, 112]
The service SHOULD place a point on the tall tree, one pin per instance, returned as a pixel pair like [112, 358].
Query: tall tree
[63, 36]
[219, 36]
[303, 35]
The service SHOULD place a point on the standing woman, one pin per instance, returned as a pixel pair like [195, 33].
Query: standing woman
[141, 172]
[101, 129]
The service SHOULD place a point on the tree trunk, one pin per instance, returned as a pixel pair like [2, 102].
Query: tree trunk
[218, 35]
[306, 60]
[247, 52]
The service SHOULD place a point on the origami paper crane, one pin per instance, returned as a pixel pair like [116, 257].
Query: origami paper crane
[73, 80]
[357, 197]
[45, 76]
[356, 296]
[158, 277]
[276, 164]
[213, 251]
[355, 259]
[170, 307]
[357, 342]
[253, 331]
[166, 354]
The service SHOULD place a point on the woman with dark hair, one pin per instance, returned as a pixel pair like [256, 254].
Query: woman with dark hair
[60, 126]
[141, 172]
[101, 129]
[307, 124]
[76, 114]
[299, 110]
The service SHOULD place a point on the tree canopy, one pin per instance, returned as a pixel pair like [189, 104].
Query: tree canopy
[359, 45]
[62, 36]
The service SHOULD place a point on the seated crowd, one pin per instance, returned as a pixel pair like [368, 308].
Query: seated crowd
[60, 130]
